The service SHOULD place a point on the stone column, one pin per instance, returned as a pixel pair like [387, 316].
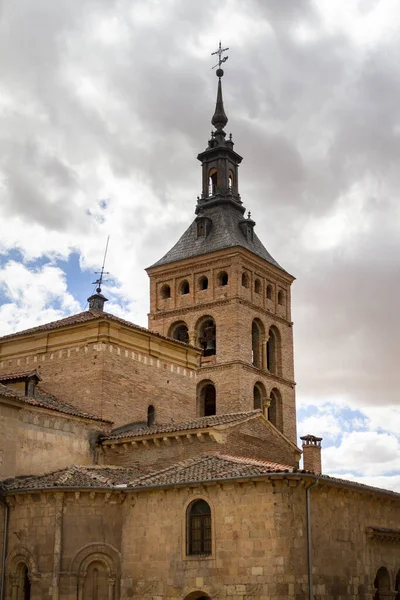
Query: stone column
[57, 547]
[111, 586]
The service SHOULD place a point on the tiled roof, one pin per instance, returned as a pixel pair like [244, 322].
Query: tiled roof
[215, 467]
[84, 317]
[196, 469]
[200, 423]
[43, 399]
[224, 233]
[74, 477]
[19, 375]
[209, 467]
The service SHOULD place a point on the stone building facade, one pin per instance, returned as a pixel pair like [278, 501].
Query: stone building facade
[162, 463]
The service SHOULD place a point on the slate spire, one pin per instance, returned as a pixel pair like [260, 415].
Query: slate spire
[219, 119]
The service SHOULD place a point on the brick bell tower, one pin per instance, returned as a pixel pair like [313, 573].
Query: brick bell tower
[220, 289]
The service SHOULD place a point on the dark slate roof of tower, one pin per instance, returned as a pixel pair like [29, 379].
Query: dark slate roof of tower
[224, 233]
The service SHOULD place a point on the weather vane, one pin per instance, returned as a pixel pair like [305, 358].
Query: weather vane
[100, 280]
[221, 59]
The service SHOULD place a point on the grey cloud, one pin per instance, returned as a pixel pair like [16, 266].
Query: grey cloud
[312, 119]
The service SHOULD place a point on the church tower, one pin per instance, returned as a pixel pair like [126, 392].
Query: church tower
[220, 289]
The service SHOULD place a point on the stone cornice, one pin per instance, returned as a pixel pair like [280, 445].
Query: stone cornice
[383, 535]
[259, 372]
[162, 314]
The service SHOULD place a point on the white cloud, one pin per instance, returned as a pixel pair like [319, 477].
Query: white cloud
[32, 296]
[364, 452]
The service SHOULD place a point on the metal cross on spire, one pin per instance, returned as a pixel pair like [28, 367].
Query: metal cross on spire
[221, 59]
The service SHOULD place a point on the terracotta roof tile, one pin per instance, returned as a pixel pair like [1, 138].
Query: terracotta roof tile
[200, 423]
[43, 399]
[84, 317]
[74, 477]
[19, 375]
[209, 467]
[206, 467]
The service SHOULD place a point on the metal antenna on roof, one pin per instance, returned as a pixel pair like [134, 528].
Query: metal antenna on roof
[100, 280]
[97, 300]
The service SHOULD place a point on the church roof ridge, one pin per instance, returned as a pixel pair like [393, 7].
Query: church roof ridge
[84, 317]
[198, 423]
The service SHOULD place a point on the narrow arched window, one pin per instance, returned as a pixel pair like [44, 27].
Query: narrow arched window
[212, 182]
[151, 415]
[209, 400]
[257, 336]
[269, 292]
[281, 298]
[275, 409]
[223, 278]
[273, 351]
[207, 337]
[203, 283]
[184, 287]
[24, 583]
[257, 286]
[245, 280]
[381, 583]
[198, 529]
[258, 396]
[179, 331]
[230, 180]
[165, 291]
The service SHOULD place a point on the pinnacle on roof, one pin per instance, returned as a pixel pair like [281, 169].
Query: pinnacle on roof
[220, 221]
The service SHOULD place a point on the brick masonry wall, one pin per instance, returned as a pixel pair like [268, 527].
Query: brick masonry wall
[233, 308]
[114, 383]
[252, 439]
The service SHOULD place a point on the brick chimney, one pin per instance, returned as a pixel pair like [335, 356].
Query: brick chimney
[312, 453]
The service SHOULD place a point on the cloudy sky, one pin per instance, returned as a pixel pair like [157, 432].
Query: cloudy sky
[104, 105]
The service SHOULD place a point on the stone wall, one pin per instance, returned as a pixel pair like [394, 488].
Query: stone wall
[48, 441]
[259, 542]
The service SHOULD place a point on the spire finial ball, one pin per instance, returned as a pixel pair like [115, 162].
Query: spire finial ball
[219, 73]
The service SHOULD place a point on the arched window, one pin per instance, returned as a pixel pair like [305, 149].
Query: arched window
[207, 336]
[281, 298]
[223, 278]
[273, 351]
[96, 581]
[257, 338]
[24, 583]
[257, 286]
[258, 396]
[230, 180]
[198, 529]
[184, 287]
[381, 583]
[206, 399]
[212, 182]
[269, 292]
[179, 331]
[245, 280]
[275, 409]
[203, 283]
[151, 415]
[165, 291]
